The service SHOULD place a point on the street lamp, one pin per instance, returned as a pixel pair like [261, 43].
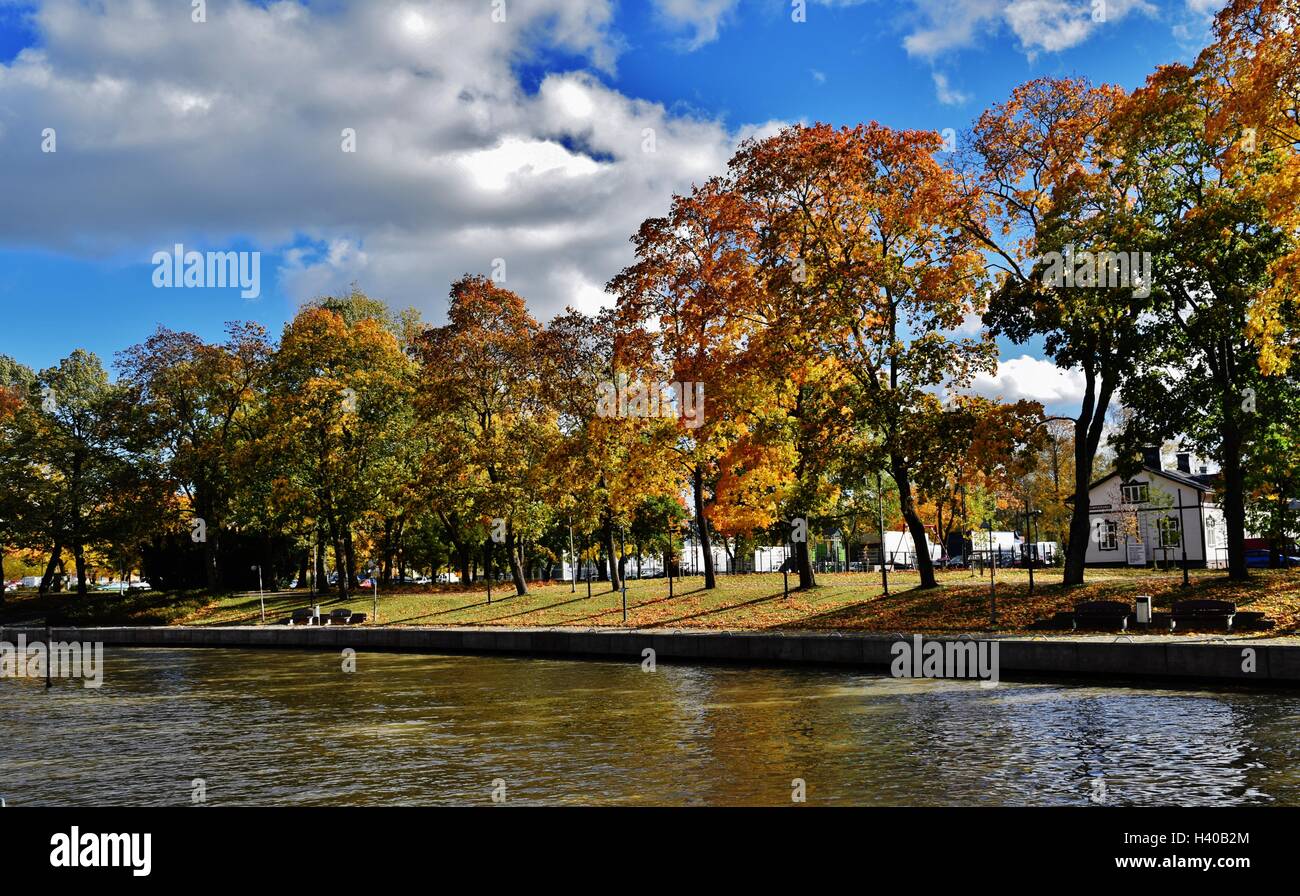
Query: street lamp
[260, 596]
[880, 511]
[573, 558]
[1032, 545]
[993, 575]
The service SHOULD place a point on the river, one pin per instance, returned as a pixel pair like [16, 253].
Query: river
[269, 727]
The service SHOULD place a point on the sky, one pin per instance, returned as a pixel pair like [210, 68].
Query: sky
[400, 144]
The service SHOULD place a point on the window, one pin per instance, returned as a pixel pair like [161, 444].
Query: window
[1135, 493]
[1108, 536]
[1170, 536]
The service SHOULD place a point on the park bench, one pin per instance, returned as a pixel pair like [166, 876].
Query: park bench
[305, 616]
[344, 617]
[1106, 615]
[1202, 614]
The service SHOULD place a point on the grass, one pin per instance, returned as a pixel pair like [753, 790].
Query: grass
[842, 601]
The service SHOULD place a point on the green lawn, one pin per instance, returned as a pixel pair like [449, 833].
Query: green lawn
[845, 601]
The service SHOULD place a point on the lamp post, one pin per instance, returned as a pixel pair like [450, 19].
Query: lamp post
[1030, 516]
[573, 576]
[261, 598]
[880, 514]
[622, 567]
[993, 575]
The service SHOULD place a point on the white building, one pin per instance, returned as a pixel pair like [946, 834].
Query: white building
[1142, 519]
[900, 549]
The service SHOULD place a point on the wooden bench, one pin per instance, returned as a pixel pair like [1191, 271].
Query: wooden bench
[1214, 614]
[1107, 615]
[304, 616]
[344, 617]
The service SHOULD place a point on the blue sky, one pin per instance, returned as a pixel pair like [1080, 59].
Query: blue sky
[477, 140]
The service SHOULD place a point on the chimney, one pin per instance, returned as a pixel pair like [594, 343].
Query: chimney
[1185, 462]
[1151, 457]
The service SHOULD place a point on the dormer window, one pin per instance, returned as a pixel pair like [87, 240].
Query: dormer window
[1135, 493]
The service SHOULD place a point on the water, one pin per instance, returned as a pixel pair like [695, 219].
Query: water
[289, 727]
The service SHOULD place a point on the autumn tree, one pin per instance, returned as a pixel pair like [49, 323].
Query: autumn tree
[1215, 246]
[682, 307]
[864, 230]
[1249, 79]
[19, 478]
[480, 372]
[1045, 166]
[325, 442]
[75, 441]
[193, 400]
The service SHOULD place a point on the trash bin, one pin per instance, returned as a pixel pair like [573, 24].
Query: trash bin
[1144, 609]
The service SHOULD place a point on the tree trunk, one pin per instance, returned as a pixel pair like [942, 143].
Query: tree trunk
[907, 505]
[702, 523]
[79, 553]
[1087, 436]
[607, 536]
[47, 580]
[1234, 494]
[349, 555]
[516, 566]
[803, 560]
[339, 560]
[320, 582]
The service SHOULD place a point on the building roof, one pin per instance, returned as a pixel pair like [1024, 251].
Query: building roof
[1200, 482]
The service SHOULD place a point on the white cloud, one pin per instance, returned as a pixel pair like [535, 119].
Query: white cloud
[1034, 379]
[173, 131]
[704, 18]
[1039, 25]
[945, 92]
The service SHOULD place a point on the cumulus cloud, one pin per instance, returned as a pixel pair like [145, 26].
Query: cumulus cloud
[233, 130]
[1039, 25]
[1033, 379]
[704, 18]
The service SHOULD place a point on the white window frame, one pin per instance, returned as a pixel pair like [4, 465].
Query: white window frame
[1169, 525]
[1108, 536]
[1141, 489]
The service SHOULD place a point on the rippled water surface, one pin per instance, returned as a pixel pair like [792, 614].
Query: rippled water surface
[285, 727]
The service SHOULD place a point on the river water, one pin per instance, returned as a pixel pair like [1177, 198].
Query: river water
[266, 727]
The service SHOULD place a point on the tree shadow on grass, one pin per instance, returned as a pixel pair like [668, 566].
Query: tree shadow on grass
[880, 612]
[592, 617]
[104, 607]
[703, 613]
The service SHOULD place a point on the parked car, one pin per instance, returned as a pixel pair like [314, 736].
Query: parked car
[139, 586]
[1259, 558]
